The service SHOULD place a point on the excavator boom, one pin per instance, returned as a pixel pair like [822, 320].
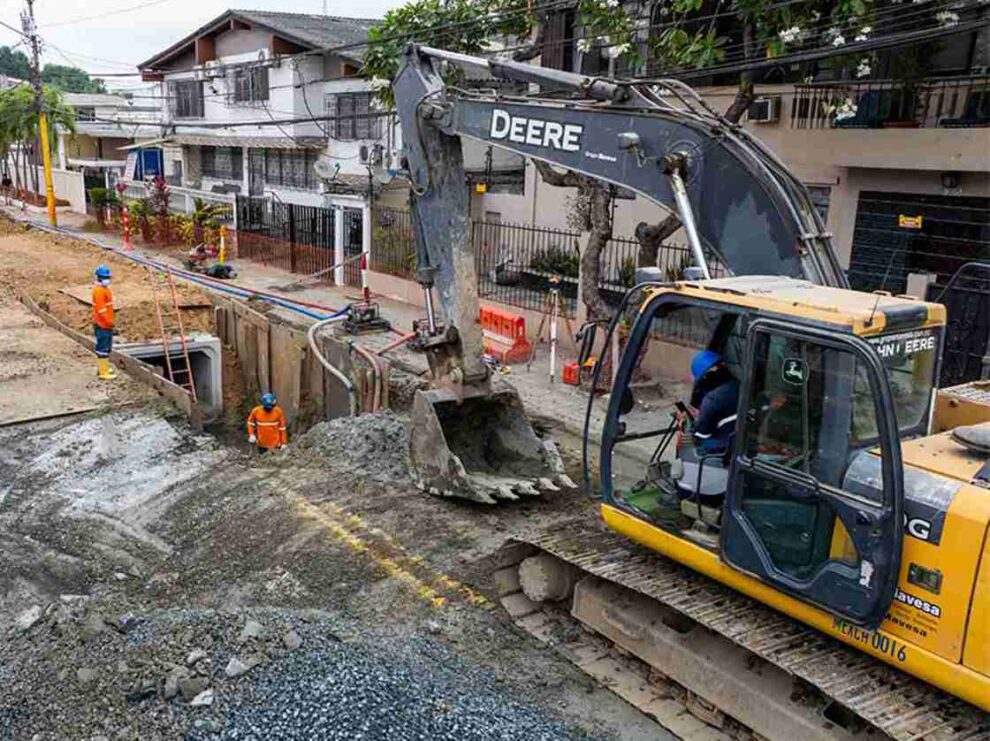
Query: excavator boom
[743, 213]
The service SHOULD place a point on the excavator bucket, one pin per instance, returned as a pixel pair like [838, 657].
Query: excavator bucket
[480, 446]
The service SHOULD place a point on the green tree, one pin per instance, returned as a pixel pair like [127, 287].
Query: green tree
[19, 127]
[70, 79]
[14, 63]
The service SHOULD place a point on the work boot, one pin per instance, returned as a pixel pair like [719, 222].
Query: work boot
[106, 371]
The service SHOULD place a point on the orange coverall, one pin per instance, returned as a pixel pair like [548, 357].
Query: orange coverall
[268, 427]
[102, 307]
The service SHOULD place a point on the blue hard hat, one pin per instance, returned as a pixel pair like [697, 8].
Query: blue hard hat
[268, 400]
[102, 273]
[702, 363]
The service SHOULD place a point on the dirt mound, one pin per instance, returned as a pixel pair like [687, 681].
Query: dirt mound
[28, 265]
[374, 445]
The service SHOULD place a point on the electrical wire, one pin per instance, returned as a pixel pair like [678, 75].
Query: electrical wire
[105, 14]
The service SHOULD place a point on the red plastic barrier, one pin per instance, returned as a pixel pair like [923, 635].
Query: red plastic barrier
[505, 335]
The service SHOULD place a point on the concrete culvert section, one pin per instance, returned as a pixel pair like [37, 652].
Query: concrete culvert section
[205, 357]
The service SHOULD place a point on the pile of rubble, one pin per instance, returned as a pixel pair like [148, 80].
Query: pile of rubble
[71, 670]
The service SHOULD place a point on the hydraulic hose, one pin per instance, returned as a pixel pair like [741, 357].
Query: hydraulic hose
[392, 345]
[337, 373]
[376, 372]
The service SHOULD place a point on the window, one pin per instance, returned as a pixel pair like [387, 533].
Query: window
[291, 168]
[186, 98]
[354, 117]
[558, 41]
[85, 114]
[811, 406]
[222, 163]
[249, 84]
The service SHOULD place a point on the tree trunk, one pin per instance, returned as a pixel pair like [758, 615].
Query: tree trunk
[651, 237]
[600, 232]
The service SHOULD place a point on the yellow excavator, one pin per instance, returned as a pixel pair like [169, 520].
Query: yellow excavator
[821, 567]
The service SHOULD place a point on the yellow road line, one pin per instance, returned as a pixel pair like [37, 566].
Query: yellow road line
[359, 537]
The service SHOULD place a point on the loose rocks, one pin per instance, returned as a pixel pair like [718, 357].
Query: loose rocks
[26, 620]
[374, 444]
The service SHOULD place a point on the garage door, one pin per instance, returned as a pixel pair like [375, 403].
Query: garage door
[901, 233]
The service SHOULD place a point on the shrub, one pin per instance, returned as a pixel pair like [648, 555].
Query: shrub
[557, 260]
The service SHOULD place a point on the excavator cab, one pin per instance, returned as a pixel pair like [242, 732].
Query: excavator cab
[809, 495]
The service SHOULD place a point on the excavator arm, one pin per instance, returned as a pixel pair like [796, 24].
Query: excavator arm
[742, 211]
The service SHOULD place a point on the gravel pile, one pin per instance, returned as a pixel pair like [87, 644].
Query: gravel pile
[409, 688]
[376, 445]
[69, 671]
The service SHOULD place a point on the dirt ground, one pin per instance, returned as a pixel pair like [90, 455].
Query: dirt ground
[156, 583]
[28, 264]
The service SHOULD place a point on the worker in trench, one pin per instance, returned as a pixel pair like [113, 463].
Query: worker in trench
[266, 426]
[102, 298]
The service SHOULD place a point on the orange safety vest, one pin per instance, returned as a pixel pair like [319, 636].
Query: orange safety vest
[268, 427]
[102, 307]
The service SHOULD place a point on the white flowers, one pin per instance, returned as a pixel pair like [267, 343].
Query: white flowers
[947, 18]
[611, 3]
[378, 83]
[835, 35]
[864, 33]
[584, 45]
[847, 109]
[792, 34]
[864, 69]
[617, 50]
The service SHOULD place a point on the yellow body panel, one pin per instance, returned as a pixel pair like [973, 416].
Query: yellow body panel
[861, 313]
[958, 406]
[938, 622]
[943, 456]
[959, 680]
[976, 655]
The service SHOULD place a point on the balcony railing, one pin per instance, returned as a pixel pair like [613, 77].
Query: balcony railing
[957, 102]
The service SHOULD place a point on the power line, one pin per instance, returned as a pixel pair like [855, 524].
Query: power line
[104, 14]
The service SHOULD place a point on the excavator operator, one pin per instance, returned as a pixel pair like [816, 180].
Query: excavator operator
[716, 397]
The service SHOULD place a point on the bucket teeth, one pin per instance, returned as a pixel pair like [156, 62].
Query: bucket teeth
[505, 492]
[547, 485]
[527, 489]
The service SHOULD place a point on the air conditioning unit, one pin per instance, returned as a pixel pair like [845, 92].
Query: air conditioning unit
[764, 110]
[370, 154]
[213, 69]
[199, 74]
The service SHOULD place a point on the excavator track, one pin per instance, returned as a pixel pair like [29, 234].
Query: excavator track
[847, 684]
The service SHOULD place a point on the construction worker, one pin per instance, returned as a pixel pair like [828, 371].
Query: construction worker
[266, 426]
[103, 322]
[716, 396]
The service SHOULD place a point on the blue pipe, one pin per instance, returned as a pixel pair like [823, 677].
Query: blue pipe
[193, 277]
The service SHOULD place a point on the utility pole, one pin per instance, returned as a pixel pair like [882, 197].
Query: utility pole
[31, 32]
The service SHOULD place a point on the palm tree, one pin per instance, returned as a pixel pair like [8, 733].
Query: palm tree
[19, 127]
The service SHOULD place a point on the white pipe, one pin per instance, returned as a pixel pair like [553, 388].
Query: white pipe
[311, 336]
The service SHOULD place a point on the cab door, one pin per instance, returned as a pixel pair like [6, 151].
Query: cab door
[810, 402]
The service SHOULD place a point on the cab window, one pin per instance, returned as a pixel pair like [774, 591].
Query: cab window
[811, 407]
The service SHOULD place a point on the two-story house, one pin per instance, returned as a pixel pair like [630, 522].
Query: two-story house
[897, 159]
[271, 104]
[107, 127]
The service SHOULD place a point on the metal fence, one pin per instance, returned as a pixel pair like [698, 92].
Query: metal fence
[289, 236]
[515, 264]
[956, 102]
